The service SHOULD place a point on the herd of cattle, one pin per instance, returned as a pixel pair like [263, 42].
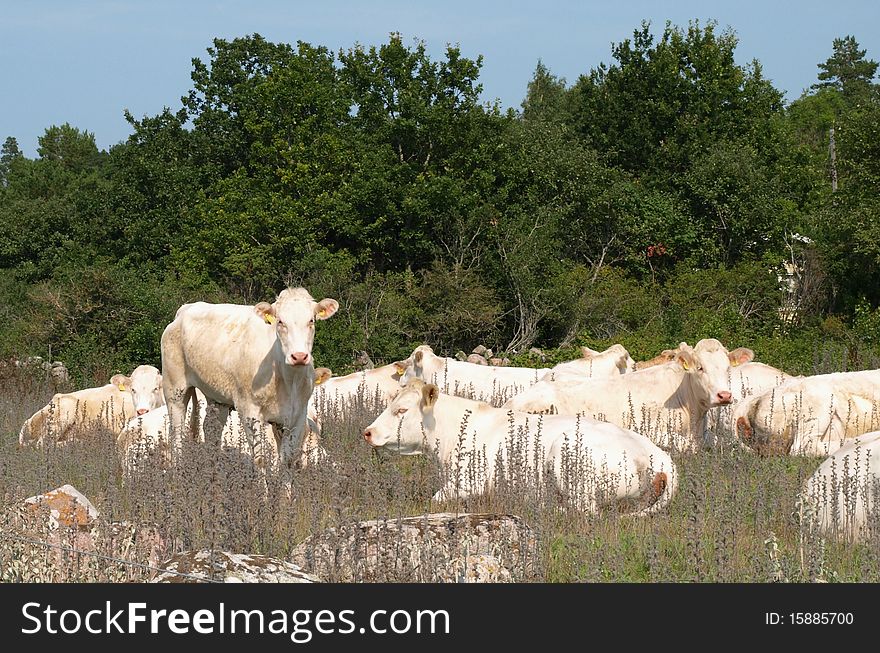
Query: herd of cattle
[601, 428]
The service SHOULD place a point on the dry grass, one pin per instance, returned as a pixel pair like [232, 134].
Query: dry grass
[733, 519]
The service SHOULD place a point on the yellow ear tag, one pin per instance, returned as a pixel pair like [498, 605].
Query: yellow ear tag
[322, 313]
[685, 365]
[734, 363]
[269, 318]
[400, 370]
[121, 387]
[319, 381]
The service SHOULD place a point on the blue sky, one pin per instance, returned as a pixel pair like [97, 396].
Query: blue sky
[85, 62]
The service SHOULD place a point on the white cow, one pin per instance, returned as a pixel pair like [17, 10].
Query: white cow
[595, 364]
[593, 463]
[812, 415]
[485, 382]
[256, 359]
[73, 413]
[842, 496]
[337, 393]
[667, 402]
[145, 385]
[148, 431]
[746, 380]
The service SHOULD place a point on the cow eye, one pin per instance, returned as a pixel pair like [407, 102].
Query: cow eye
[700, 368]
[400, 411]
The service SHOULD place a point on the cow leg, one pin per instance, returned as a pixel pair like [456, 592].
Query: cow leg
[291, 442]
[177, 399]
[216, 416]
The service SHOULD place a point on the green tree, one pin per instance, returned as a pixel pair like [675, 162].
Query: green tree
[9, 154]
[73, 149]
[545, 96]
[847, 71]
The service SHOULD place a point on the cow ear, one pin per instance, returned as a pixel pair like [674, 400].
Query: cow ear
[741, 355]
[417, 356]
[430, 392]
[266, 312]
[685, 358]
[322, 374]
[326, 308]
[586, 352]
[121, 382]
[400, 367]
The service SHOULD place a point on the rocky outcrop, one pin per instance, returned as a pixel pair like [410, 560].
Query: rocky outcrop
[223, 566]
[65, 506]
[438, 547]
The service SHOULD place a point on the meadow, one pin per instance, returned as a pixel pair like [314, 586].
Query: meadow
[734, 518]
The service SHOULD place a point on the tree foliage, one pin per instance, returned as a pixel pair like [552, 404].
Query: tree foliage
[653, 200]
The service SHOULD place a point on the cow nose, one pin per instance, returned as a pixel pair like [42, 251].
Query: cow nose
[724, 397]
[299, 358]
[141, 411]
[367, 436]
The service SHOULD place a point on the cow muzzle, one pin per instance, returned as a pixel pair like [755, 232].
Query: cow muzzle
[142, 411]
[300, 358]
[723, 398]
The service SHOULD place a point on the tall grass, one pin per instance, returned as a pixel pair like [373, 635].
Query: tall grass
[735, 517]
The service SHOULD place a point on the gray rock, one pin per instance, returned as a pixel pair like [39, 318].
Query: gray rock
[476, 359]
[479, 350]
[438, 547]
[230, 568]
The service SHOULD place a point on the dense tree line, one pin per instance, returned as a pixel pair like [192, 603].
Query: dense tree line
[657, 198]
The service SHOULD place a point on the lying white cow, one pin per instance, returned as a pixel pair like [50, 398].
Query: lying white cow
[593, 463]
[484, 382]
[150, 431]
[667, 402]
[256, 359]
[746, 380]
[595, 364]
[145, 385]
[811, 416]
[336, 394]
[842, 496]
[73, 413]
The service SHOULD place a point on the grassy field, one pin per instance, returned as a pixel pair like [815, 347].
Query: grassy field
[734, 518]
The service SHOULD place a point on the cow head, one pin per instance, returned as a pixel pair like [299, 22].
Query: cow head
[402, 426]
[622, 360]
[145, 387]
[666, 356]
[293, 315]
[706, 375]
[414, 366]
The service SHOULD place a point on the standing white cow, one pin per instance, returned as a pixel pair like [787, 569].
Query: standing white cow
[811, 416]
[667, 402]
[109, 406]
[256, 359]
[593, 463]
[842, 496]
